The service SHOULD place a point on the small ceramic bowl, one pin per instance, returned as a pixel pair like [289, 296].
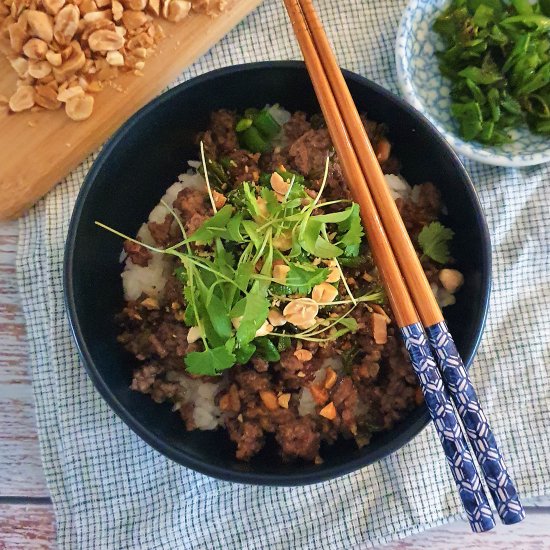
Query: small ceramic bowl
[425, 88]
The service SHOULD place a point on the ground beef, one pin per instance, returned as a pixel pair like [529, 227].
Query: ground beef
[298, 439]
[161, 232]
[296, 127]
[376, 386]
[138, 254]
[243, 165]
[308, 154]
[221, 137]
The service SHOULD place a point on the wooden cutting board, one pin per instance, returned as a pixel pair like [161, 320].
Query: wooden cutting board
[39, 149]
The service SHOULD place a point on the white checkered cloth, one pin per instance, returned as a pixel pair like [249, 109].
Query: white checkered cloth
[112, 491]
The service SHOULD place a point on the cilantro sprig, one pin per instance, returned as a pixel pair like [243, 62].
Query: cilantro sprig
[434, 240]
[226, 268]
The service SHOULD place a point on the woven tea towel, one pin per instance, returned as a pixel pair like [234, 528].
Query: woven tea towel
[111, 491]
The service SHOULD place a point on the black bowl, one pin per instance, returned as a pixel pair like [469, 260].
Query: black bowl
[129, 177]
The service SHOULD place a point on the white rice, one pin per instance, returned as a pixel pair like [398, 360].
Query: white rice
[206, 415]
[151, 279]
[399, 188]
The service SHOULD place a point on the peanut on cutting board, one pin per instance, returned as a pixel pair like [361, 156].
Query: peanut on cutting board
[63, 51]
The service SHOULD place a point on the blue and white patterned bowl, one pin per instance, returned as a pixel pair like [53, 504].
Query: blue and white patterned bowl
[426, 89]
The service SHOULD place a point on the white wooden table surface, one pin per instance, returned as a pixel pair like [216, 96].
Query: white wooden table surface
[26, 515]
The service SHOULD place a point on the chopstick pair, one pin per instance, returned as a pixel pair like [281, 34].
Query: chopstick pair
[408, 290]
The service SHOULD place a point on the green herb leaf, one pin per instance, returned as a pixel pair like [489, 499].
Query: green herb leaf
[213, 227]
[266, 349]
[244, 353]
[209, 362]
[434, 239]
[351, 231]
[254, 313]
[312, 242]
[302, 278]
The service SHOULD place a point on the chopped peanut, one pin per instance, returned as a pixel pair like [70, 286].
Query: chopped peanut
[303, 355]
[276, 318]
[451, 279]
[334, 275]
[380, 309]
[379, 328]
[193, 335]
[330, 378]
[301, 312]
[278, 184]
[324, 293]
[283, 400]
[219, 198]
[150, 303]
[280, 272]
[329, 411]
[320, 395]
[264, 330]
[269, 399]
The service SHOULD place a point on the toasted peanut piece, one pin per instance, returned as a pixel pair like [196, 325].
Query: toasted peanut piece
[53, 6]
[87, 6]
[105, 41]
[69, 93]
[320, 395]
[269, 399]
[115, 59]
[39, 69]
[21, 66]
[66, 24]
[46, 97]
[264, 330]
[278, 184]
[330, 378]
[136, 5]
[154, 7]
[379, 328]
[303, 355]
[301, 312]
[54, 58]
[383, 150]
[133, 19]
[284, 399]
[451, 279]
[219, 198]
[329, 411]
[40, 25]
[276, 318]
[94, 86]
[236, 322]
[117, 10]
[18, 35]
[150, 303]
[334, 275]
[283, 241]
[379, 309]
[22, 99]
[35, 48]
[280, 272]
[103, 3]
[324, 293]
[93, 16]
[175, 10]
[79, 108]
[193, 335]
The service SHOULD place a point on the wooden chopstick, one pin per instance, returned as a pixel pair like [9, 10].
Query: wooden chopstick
[446, 423]
[343, 119]
[450, 363]
[420, 290]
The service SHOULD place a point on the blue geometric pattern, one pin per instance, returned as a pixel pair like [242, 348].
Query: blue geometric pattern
[479, 432]
[427, 90]
[449, 430]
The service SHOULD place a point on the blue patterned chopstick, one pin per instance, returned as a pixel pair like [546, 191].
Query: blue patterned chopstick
[482, 439]
[448, 429]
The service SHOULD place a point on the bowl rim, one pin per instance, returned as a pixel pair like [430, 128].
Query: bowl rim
[473, 150]
[178, 455]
